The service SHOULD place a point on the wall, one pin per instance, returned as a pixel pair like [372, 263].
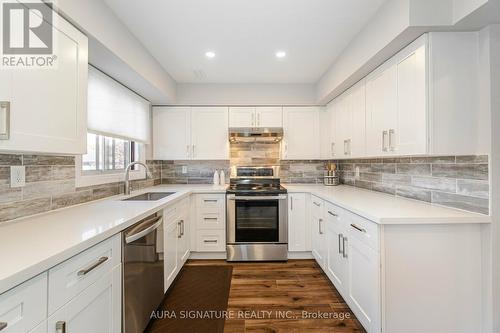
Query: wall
[453, 181]
[50, 184]
[246, 94]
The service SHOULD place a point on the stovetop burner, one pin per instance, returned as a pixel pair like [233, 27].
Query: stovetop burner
[255, 181]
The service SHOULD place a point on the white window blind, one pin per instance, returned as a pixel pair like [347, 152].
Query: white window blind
[116, 111]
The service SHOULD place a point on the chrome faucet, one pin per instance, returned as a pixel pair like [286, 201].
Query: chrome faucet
[127, 175]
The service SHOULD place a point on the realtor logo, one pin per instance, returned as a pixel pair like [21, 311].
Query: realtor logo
[27, 34]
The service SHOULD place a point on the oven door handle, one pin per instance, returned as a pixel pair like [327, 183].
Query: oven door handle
[254, 198]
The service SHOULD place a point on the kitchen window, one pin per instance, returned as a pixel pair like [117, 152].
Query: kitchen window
[118, 126]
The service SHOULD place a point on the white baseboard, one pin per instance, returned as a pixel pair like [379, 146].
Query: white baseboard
[222, 255]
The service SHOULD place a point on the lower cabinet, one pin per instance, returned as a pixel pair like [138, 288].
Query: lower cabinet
[176, 240]
[210, 223]
[318, 235]
[298, 230]
[96, 309]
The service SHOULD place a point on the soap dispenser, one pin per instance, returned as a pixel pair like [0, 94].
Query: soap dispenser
[216, 177]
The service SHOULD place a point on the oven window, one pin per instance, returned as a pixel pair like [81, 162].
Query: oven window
[257, 221]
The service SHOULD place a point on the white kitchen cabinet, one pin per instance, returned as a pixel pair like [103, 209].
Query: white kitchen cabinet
[170, 259]
[96, 309]
[364, 283]
[262, 116]
[318, 231]
[184, 241]
[210, 216]
[337, 262]
[172, 133]
[298, 227]
[301, 139]
[242, 116]
[327, 131]
[209, 133]
[185, 133]
[269, 116]
[25, 306]
[425, 99]
[48, 106]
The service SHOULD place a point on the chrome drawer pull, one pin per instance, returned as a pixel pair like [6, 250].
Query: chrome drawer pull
[3, 326]
[344, 252]
[332, 214]
[182, 227]
[320, 224]
[179, 230]
[210, 218]
[99, 262]
[341, 238]
[358, 228]
[317, 204]
[210, 241]
[61, 327]
[210, 200]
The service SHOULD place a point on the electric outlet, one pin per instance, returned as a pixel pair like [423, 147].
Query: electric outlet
[356, 173]
[17, 176]
[184, 169]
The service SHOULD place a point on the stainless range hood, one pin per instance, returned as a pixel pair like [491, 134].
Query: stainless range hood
[251, 134]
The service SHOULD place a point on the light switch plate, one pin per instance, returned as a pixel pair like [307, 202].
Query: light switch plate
[17, 176]
[184, 169]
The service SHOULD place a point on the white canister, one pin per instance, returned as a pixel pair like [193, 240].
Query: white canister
[222, 178]
[216, 177]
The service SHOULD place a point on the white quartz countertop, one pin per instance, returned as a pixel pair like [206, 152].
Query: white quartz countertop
[387, 209]
[32, 245]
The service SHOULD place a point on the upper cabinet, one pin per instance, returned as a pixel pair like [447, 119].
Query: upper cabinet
[301, 139]
[185, 133]
[48, 106]
[256, 116]
[424, 100]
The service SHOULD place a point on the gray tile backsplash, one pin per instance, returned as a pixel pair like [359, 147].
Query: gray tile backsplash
[454, 181]
[50, 184]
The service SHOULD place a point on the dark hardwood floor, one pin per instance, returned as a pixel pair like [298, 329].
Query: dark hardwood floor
[284, 297]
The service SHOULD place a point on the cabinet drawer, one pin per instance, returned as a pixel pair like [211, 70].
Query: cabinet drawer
[25, 306]
[210, 221]
[210, 203]
[211, 241]
[364, 230]
[71, 277]
[317, 207]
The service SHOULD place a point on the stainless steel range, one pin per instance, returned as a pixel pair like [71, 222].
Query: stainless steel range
[257, 220]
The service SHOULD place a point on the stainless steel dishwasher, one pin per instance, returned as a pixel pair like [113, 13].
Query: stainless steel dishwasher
[143, 291]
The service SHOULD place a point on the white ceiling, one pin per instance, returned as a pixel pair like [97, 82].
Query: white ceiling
[245, 34]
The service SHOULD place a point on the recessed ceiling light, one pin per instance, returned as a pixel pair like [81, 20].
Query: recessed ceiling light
[280, 54]
[210, 54]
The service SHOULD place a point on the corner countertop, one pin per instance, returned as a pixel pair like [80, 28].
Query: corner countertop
[383, 208]
[32, 245]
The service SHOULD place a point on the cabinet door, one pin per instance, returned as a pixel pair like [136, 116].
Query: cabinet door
[337, 264]
[327, 132]
[49, 105]
[269, 116]
[364, 284]
[410, 136]
[301, 133]
[96, 309]
[170, 260]
[171, 133]
[184, 241]
[318, 235]
[242, 117]
[298, 231]
[209, 133]
[357, 143]
[343, 131]
[381, 108]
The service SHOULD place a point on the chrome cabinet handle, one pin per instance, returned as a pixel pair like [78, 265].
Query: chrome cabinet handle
[392, 132]
[61, 327]
[5, 115]
[210, 218]
[99, 262]
[358, 228]
[210, 241]
[341, 238]
[349, 147]
[320, 224]
[3, 325]
[291, 203]
[332, 214]
[209, 200]
[384, 135]
[332, 148]
[253, 119]
[193, 149]
[345, 147]
[317, 204]
[182, 227]
[179, 234]
[344, 252]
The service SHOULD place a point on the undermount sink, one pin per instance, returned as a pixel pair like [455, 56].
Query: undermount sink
[149, 196]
